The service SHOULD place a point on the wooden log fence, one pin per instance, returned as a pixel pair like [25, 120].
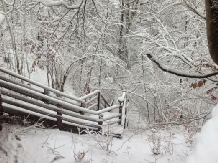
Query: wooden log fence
[1, 112]
[17, 97]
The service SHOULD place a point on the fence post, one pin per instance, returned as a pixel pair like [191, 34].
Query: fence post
[82, 105]
[46, 92]
[120, 111]
[59, 117]
[1, 111]
[101, 116]
[125, 123]
[99, 100]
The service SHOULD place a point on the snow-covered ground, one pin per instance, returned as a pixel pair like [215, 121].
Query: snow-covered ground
[30, 145]
[206, 149]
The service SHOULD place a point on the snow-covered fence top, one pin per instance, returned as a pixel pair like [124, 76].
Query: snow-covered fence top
[40, 85]
[89, 111]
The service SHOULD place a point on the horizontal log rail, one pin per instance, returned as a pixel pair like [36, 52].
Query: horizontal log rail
[42, 104]
[40, 85]
[95, 101]
[15, 110]
[46, 112]
[90, 95]
[18, 98]
[34, 89]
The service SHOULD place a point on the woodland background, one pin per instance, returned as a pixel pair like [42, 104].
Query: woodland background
[155, 50]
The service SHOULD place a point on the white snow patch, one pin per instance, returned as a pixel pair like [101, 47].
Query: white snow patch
[2, 17]
[40, 76]
[206, 149]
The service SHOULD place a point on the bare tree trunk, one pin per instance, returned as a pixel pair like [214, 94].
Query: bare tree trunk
[212, 28]
[81, 73]
[122, 49]
[100, 74]
[13, 43]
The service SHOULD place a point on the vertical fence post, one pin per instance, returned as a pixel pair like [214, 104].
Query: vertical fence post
[82, 105]
[125, 123]
[100, 123]
[99, 100]
[46, 92]
[59, 117]
[1, 111]
[122, 109]
[120, 112]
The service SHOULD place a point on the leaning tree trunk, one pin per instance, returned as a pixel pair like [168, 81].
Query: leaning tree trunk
[212, 28]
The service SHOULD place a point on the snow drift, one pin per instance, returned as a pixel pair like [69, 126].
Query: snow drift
[206, 149]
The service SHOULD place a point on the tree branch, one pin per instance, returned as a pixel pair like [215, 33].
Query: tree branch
[49, 3]
[177, 72]
[193, 10]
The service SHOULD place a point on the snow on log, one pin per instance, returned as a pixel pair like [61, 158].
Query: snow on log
[111, 122]
[113, 115]
[36, 109]
[51, 3]
[122, 98]
[16, 110]
[52, 100]
[49, 107]
[40, 85]
[17, 83]
[40, 96]
[36, 90]
[107, 109]
[90, 95]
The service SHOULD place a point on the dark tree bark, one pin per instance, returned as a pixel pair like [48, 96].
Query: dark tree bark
[212, 27]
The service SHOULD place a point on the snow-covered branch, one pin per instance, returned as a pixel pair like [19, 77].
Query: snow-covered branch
[177, 72]
[50, 3]
[194, 10]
